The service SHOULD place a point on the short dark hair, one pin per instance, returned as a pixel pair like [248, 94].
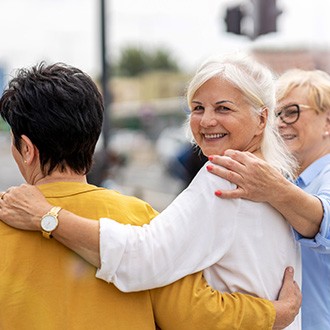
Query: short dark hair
[60, 109]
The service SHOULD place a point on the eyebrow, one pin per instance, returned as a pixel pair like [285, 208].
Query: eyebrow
[217, 103]
[288, 104]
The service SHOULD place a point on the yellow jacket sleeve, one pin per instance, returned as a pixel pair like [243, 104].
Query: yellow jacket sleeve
[191, 304]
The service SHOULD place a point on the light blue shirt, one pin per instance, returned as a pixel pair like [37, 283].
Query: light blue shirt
[316, 252]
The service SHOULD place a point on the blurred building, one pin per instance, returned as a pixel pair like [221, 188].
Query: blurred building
[2, 79]
[282, 59]
[149, 102]
[156, 100]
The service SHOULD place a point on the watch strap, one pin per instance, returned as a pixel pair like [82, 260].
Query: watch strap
[47, 234]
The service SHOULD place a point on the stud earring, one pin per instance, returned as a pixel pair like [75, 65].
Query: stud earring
[25, 161]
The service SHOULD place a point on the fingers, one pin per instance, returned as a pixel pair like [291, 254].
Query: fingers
[288, 279]
[227, 169]
[12, 196]
[229, 194]
[3, 193]
[2, 197]
[288, 304]
[243, 157]
[231, 169]
[288, 275]
[24, 191]
[226, 161]
[229, 176]
[290, 285]
[222, 170]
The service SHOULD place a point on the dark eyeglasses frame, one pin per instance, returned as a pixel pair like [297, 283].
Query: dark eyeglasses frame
[298, 106]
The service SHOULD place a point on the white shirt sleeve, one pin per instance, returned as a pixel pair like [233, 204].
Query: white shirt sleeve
[191, 234]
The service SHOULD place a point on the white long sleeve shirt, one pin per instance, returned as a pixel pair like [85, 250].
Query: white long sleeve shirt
[241, 245]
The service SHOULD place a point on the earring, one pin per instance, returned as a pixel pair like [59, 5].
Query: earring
[25, 161]
[326, 133]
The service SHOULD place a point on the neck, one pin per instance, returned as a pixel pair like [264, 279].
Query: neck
[254, 147]
[310, 158]
[256, 150]
[59, 177]
[258, 153]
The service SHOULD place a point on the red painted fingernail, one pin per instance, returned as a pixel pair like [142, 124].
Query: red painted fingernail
[210, 158]
[209, 167]
[218, 193]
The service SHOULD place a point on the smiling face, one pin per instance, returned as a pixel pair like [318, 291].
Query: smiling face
[306, 137]
[221, 119]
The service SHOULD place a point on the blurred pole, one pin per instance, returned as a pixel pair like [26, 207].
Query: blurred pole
[101, 158]
[105, 76]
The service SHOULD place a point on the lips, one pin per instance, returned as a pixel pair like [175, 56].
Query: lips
[288, 136]
[214, 136]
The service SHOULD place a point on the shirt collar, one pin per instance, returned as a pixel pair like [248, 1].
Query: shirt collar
[312, 171]
[62, 189]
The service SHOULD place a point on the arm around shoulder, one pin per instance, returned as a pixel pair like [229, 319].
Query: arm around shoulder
[192, 304]
[258, 181]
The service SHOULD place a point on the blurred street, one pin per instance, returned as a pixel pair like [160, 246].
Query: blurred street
[142, 175]
[9, 175]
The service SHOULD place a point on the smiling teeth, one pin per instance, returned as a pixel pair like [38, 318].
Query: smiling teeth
[214, 136]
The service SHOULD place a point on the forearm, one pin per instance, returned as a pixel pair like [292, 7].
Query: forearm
[80, 235]
[302, 210]
[24, 206]
[173, 245]
[183, 239]
[192, 304]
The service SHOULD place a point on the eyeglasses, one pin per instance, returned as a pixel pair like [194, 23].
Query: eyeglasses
[290, 113]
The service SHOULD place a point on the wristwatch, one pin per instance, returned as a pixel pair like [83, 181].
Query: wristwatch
[49, 222]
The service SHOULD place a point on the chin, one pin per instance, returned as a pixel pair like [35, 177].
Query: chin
[291, 147]
[211, 151]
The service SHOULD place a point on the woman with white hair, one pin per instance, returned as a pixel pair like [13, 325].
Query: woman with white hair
[232, 101]
[303, 119]
[241, 245]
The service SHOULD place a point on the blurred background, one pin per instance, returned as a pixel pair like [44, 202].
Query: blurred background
[142, 55]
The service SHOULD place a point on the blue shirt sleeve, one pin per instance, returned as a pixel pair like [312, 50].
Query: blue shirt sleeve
[321, 242]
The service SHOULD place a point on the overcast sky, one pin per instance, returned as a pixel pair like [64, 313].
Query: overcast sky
[68, 30]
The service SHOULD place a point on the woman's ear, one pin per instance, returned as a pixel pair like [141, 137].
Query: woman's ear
[328, 119]
[263, 116]
[327, 125]
[28, 150]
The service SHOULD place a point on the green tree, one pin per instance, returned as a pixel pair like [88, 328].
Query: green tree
[161, 60]
[134, 61]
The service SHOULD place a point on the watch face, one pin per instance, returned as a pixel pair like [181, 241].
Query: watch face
[49, 223]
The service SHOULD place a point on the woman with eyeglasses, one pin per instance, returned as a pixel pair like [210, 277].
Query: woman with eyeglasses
[303, 113]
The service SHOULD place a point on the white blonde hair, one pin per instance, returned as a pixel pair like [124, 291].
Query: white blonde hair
[257, 84]
[317, 85]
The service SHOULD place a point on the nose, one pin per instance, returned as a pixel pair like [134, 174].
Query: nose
[280, 123]
[208, 119]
